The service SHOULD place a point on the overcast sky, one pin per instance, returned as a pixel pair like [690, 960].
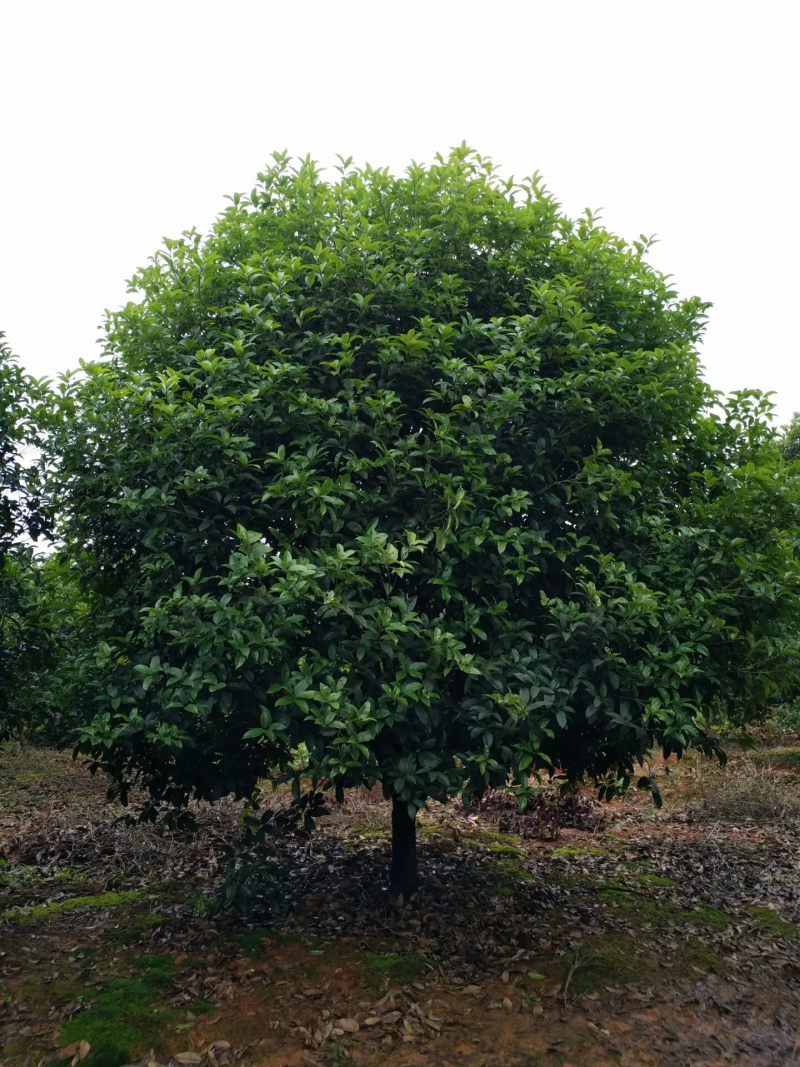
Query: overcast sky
[123, 122]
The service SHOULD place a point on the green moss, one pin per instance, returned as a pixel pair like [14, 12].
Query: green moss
[574, 850]
[654, 879]
[602, 961]
[373, 829]
[49, 911]
[772, 921]
[707, 916]
[701, 957]
[505, 872]
[122, 1020]
[636, 908]
[402, 970]
[135, 930]
[484, 838]
[251, 942]
[160, 969]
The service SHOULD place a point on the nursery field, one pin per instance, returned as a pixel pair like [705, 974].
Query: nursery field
[586, 935]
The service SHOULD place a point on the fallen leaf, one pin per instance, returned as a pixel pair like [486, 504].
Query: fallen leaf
[599, 1029]
[188, 1057]
[350, 1026]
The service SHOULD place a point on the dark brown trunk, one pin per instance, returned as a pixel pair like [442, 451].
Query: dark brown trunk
[403, 876]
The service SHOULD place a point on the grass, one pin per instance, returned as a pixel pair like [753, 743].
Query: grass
[779, 755]
[11, 877]
[753, 791]
[603, 960]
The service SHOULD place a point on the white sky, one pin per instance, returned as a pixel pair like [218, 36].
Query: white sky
[123, 122]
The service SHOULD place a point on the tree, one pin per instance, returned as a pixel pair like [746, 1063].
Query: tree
[789, 443]
[21, 519]
[422, 475]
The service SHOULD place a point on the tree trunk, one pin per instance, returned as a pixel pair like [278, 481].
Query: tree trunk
[403, 876]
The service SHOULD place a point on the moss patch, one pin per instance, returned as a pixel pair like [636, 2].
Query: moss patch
[135, 930]
[602, 961]
[160, 969]
[772, 921]
[507, 870]
[401, 970]
[701, 957]
[637, 908]
[504, 850]
[707, 916]
[49, 911]
[477, 838]
[573, 850]
[251, 942]
[123, 1019]
[126, 1018]
[654, 880]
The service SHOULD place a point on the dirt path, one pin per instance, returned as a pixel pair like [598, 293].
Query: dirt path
[652, 939]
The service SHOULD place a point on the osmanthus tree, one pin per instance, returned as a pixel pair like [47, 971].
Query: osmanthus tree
[421, 474]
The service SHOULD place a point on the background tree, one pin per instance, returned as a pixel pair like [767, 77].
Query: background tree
[423, 475]
[789, 442]
[21, 520]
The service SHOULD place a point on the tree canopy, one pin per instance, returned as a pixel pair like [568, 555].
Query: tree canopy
[423, 475]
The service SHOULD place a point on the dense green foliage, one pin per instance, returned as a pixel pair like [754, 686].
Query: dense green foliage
[22, 648]
[19, 396]
[422, 474]
[789, 442]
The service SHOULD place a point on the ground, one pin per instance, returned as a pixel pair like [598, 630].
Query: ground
[649, 938]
